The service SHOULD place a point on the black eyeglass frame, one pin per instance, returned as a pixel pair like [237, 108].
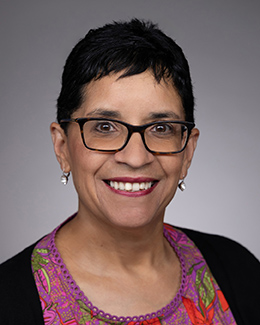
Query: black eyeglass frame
[131, 129]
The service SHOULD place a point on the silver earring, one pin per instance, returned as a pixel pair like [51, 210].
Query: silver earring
[64, 178]
[182, 185]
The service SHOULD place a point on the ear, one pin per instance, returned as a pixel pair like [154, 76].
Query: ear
[189, 151]
[60, 144]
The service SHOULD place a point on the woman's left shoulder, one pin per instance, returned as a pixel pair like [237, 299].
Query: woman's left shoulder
[223, 247]
[235, 269]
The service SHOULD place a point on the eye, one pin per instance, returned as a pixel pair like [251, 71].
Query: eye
[163, 128]
[104, 127]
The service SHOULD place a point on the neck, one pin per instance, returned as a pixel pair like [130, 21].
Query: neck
[107, 245]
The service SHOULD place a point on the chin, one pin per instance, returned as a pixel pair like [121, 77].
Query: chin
[132, 221]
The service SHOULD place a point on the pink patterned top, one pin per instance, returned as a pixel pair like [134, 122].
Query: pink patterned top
[198, 301]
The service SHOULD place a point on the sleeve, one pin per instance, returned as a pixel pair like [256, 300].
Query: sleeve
[236, 271]
[19, 300]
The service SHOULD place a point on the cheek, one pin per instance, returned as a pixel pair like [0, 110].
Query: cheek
[85, 166]
[172, 165]
[80, 163]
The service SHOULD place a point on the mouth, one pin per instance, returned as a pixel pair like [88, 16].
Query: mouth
[131, 186]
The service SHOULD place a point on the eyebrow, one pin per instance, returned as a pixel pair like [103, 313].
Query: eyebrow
[100, 112]
[104, 113]
[166, 114]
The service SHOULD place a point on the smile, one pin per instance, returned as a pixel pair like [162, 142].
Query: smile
[130, 187]
[137, 186]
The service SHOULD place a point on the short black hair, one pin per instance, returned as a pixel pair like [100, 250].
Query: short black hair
[131, 48]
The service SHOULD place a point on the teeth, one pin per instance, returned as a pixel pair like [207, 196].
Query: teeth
[121, 186]
[130, 187]
[142, 186]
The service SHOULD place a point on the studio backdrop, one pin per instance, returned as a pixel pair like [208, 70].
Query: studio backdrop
[221, 41]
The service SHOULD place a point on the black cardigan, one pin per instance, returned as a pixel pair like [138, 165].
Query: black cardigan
[235, 269]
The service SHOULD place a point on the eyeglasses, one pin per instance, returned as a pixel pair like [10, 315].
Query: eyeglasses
[106, 135]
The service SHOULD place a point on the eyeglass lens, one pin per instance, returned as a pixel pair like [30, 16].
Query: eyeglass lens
[110, 135]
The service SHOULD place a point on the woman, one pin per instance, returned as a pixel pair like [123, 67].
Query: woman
[127, 136]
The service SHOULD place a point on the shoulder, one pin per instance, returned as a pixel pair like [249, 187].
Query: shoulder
[13, 261]
[228, 251]
[235, 269]
[18, 289]
[15, 269]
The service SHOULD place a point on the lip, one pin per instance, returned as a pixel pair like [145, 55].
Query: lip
[132, 180]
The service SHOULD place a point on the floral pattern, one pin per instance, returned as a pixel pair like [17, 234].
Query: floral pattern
[199, 300]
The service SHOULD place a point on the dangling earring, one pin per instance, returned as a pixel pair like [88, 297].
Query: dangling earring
[182, 185]
[64, 178]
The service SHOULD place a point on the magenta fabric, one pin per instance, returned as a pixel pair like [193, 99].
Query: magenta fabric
[198, 301]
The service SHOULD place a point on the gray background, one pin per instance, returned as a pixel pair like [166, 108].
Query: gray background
[221, 41]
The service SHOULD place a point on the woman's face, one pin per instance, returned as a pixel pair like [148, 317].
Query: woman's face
[136, 100]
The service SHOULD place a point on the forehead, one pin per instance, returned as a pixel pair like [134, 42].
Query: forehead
[133, 99]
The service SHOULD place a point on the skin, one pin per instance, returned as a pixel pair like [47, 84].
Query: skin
[121, 234]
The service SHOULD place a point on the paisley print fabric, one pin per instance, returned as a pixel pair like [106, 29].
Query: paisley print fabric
[198, 301]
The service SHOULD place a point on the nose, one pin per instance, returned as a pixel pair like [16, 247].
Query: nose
[135, 153]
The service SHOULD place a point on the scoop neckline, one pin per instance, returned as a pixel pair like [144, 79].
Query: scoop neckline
[78, 294]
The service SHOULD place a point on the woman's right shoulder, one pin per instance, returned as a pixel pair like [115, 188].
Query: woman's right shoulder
[19, 301]
[16, 271]
[10, 265]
